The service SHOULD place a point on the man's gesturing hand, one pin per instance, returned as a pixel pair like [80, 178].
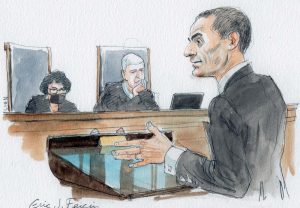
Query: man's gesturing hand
[139, 88]
[148, 151]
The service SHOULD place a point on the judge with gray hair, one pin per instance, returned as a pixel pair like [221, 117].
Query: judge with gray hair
[129, 94]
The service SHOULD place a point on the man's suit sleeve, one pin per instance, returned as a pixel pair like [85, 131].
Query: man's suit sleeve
[227, 173]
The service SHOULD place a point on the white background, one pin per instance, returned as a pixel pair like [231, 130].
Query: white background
[73, 29]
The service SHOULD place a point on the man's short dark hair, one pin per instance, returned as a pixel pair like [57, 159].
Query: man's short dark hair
[230, 20]
[58, 77]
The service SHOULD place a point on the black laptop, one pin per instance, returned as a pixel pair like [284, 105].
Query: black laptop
[186, 101]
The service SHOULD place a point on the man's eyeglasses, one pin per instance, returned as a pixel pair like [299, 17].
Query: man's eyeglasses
[57, 91]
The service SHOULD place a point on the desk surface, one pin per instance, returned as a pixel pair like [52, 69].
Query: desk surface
[85, 116]
[99, 164]
[186, 125]
[85, 161]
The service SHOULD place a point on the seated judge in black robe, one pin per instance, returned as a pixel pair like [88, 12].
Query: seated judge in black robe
[131, 93]
[54, 87]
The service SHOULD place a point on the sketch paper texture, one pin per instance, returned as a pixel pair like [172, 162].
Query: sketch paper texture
[83, 126]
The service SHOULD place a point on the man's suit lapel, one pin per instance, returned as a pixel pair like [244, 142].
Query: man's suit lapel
[238, 75]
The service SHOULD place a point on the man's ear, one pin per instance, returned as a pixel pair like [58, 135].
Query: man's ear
[234, 39]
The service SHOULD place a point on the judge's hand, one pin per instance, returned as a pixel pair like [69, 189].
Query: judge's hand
[147, 151]
[137, 89]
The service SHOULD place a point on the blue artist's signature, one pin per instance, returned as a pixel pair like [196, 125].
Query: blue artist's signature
[68, 203]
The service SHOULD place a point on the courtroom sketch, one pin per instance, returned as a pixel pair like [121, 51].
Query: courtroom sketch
[186, 101]
[127, 146]
[54, 87]
[247, 118]
[130, 93]
[89, 158]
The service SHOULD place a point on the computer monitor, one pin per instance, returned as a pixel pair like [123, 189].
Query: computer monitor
[186, 101]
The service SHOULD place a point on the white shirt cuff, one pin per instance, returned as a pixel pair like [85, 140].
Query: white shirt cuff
[171, 159]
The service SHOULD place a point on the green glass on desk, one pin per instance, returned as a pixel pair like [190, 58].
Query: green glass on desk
[99, 163]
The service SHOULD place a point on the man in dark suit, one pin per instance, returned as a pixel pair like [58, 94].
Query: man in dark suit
[131, 93]
[247, 118]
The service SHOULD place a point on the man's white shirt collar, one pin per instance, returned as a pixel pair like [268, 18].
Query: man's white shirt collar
[126, 91]
[229, 74]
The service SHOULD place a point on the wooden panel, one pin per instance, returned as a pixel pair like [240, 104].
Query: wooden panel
[85, 116]
[287, 160]
[291, 113]
[187, 128]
